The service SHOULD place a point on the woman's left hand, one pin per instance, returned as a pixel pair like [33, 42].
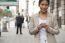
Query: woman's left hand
[45, 25]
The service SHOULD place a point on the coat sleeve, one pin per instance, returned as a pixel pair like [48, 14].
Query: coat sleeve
[54, 28]
[32, 29]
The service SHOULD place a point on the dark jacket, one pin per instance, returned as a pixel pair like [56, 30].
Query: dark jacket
[19, 19]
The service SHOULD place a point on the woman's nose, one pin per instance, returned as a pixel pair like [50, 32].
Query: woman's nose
[44, 6]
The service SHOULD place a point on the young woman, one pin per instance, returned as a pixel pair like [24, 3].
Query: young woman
[43, 25]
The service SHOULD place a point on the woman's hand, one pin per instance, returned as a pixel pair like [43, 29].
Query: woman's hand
[39, 27]
[44, 25]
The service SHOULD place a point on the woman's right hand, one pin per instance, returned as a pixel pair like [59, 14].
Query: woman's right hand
[40, 27]
[44, 26]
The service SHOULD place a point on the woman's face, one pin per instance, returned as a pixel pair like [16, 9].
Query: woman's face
[43, 6]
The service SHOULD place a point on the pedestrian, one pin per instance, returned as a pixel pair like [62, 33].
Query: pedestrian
[43, 25]
[8, 14]
[19, 22]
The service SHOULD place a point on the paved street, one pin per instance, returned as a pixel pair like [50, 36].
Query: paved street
[12, 37]
[61, 37]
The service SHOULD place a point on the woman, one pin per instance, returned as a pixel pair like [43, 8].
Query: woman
[43, 25]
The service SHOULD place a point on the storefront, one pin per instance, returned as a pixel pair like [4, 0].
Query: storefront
[13, 4]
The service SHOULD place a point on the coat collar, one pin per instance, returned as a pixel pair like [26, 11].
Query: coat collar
[36, 18]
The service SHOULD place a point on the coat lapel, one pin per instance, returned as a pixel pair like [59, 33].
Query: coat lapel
[36, 19]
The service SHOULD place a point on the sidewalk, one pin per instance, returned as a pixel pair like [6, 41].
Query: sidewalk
[61, 37]
[12, 37]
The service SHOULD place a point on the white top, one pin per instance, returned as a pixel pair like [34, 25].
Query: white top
[43, 33]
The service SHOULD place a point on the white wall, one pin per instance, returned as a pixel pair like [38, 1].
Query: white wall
[32, 9]
[22, 5]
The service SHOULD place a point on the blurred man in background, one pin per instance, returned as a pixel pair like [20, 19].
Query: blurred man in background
[19, 22]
